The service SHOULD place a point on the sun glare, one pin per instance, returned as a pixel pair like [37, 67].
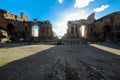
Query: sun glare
[83, 30]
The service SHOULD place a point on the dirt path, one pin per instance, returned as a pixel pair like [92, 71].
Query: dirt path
[64, 62]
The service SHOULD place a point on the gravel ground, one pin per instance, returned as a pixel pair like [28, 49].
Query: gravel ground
[65, 62]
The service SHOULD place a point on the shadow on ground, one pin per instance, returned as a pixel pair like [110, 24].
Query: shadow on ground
[114, 45]
[76, 62]
[12, 45]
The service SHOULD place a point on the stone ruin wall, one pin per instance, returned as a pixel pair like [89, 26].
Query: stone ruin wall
[23, 26]
[96, 28]
[9, 15]
[113, 21]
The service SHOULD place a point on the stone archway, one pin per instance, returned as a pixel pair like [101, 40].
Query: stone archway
[84, 31]
[34, 33]
[11, 31]
[36, 30]
[72, 32]
[106, 32]
[10, 27]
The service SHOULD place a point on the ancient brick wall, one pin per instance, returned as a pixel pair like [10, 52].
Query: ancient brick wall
[19, 27]
[113, 22]
[106, 28]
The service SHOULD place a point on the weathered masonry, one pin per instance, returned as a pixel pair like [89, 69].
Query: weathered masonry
[106, 28]
[16, 28]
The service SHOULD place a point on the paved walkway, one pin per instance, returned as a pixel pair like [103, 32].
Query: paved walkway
[65, 62]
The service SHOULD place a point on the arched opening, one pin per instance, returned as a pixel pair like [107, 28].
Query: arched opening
[36, 30]
[91, 30]
[106, 32]
[11, 31]
[72, 32]
[84, 31]
[10, 28]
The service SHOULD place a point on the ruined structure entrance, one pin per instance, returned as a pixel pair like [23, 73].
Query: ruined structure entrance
[36, 30]
[72, 31]
[106, 32]
[11, 31]
[84, 31]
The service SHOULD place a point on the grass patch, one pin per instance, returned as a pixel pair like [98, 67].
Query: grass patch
[8, 55]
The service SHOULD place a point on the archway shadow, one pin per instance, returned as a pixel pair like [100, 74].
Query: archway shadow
[12, 45]
[40, 66]
[114, 45]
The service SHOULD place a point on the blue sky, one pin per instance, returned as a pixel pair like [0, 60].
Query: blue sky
[60, 11]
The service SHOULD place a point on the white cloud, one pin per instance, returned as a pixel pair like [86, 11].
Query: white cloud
[60, 1]
[61, 25]
[102, 8]
[82, 3]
